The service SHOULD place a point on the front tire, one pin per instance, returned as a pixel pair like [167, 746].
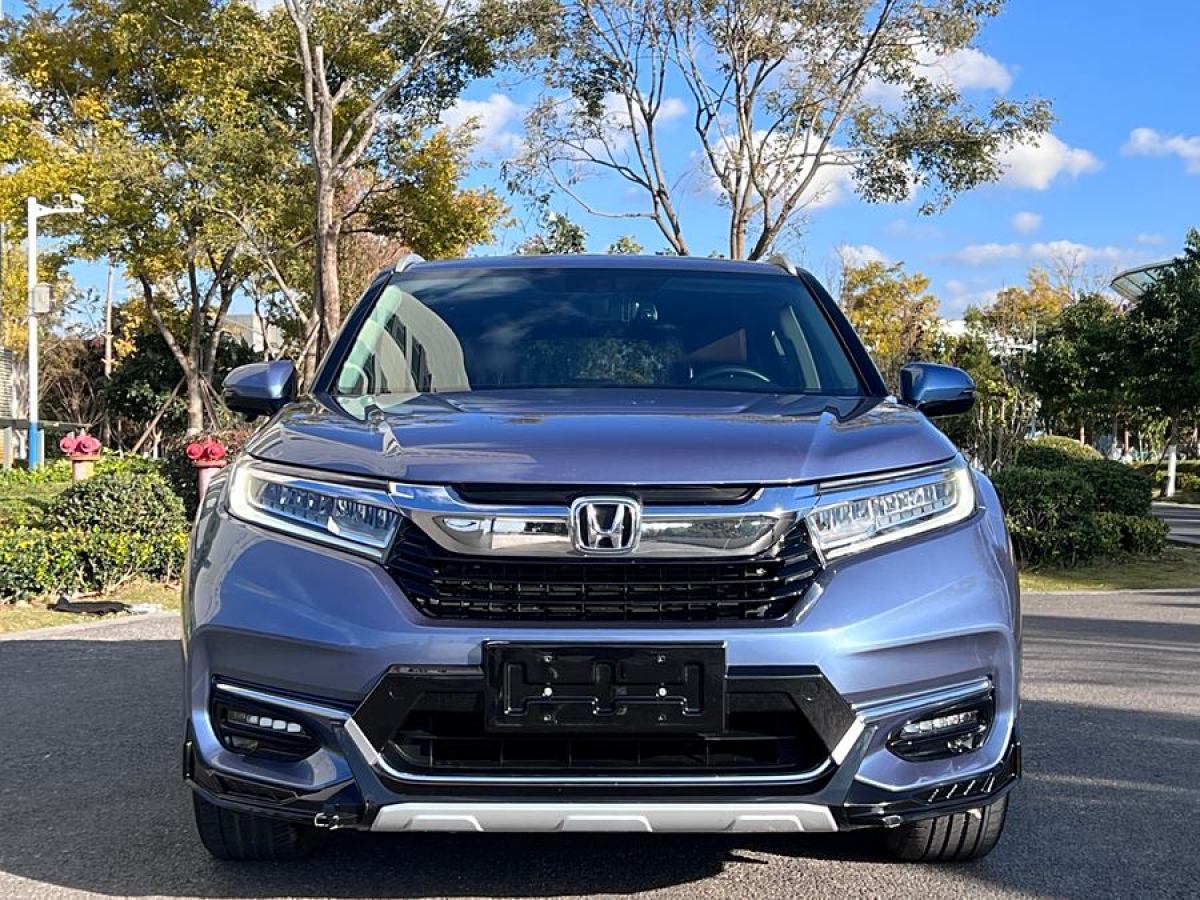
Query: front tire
[958, 837]
[231, 835]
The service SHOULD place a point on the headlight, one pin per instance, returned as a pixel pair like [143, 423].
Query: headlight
[343, 514]
[855, 518]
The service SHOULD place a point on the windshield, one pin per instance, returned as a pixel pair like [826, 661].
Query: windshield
[476, 329]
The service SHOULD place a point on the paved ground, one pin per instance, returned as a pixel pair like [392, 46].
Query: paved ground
[91, 802]
[1183, 519]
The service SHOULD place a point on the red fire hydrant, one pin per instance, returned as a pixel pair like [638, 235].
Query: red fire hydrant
[208, 456]
[83, 450]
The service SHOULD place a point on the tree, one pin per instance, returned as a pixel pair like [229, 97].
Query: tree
[893, 313]
[168, 130]
[408, 195]
[785, 102]
[1080, 366]
[625, 245]
[559, 235]
[1020, 314]
[364, 63]
[1164, 346]
[991, 433]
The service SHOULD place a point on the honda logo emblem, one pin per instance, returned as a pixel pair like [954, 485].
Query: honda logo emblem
[605, 524]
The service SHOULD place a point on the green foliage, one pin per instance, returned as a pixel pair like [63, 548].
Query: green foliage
[559, 235]
[1051, 516]
[1080, 369]
[1052, 451]
[1119, 488]
[1164, 328]
[119, 501]
[1143, 535]
[893, 312]
[625, 245]
[796, 74]
[36, 562]
[1065, 507]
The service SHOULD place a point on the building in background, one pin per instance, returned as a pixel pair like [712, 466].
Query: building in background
[249, 328]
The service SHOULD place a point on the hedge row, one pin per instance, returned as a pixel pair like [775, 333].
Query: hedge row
[94, 534]
[1066, 507]
[36, 562]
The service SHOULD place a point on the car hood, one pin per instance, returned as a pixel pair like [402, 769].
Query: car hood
[605, 437]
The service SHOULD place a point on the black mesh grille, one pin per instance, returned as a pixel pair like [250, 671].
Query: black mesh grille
[754, 742]
[452, 586]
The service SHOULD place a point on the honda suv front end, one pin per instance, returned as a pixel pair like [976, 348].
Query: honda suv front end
[638, 544]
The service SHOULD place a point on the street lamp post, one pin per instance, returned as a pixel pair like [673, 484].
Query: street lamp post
[33, 212]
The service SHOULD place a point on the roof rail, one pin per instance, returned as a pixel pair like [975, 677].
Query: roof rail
[408, 259]
[781, 260]
[405, 260]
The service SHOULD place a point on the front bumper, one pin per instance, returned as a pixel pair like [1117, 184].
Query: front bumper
[315, 632]
[376, 797]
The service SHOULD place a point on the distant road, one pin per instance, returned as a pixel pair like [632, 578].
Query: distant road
[1183, 520]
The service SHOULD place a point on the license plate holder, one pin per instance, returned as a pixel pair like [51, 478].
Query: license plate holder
[610, 688]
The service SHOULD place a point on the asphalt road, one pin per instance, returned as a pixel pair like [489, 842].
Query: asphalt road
[91, 802]
[1183, 520]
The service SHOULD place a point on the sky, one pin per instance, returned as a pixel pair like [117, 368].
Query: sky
[1116, 183]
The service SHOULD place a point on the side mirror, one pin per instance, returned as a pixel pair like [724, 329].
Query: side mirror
[260, 389]
[936, 390]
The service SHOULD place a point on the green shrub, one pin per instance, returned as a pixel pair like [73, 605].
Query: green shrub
[1053, 452]
[58, 470]
[1144, 535]
[1119, 488]
[1187, 482]
[1074, 514]
[1043, 499]
[34, 562]
[1110, 533]
[119, 501]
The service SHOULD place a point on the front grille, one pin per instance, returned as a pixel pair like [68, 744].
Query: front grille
[451, 741]
[447, 585]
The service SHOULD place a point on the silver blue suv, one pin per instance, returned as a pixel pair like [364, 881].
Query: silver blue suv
[600, 544]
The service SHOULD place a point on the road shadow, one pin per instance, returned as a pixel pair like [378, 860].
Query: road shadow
[92, 800]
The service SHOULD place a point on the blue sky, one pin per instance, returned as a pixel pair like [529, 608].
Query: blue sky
[1118, 182]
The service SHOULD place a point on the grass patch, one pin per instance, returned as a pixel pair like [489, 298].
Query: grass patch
[27, 502]
[1178, 567]
[38, 615]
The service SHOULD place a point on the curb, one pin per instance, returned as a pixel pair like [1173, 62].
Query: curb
[75, 627]
[1110, 591]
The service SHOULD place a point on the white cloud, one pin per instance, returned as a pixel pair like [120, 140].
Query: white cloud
[1037, 164]
[855, 255]
[1058, 251]
[494, 120]
[672, 108]
[986, 254]
[1078, 254]
[965, 69]
[1149, 142]
[1150, 240]
[968, 68]
[1026, 222]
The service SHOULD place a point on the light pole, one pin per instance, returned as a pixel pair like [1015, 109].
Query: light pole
[33, 212]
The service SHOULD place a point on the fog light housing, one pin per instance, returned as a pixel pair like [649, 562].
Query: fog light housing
[254, 729]
[944, 732]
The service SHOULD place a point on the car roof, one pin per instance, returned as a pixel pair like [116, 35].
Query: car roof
[603, 261]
